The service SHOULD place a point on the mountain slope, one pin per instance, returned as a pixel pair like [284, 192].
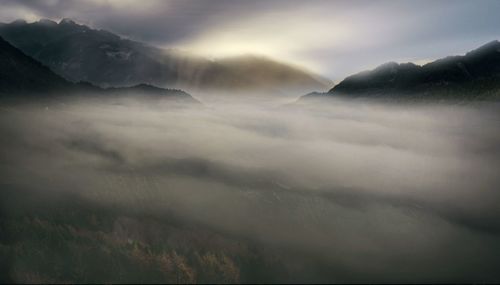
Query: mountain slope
[21, 74]
[152, 91]
[475, 75]
[265, 73]
[79, 53]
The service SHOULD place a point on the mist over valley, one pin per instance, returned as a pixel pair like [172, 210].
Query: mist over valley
[126, 160]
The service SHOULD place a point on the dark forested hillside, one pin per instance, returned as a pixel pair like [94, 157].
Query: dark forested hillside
[23, 75]
[475, 75]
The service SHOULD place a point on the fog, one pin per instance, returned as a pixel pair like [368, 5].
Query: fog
[372, 192]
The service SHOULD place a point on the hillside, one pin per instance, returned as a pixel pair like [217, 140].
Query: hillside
[23, 75]
[20, 73]
[475, 75]
[79, 53]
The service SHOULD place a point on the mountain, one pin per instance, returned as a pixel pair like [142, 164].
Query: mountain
[79, 53]
[20, 73]
[23, 75]
[475, 75]
[257, 72]
[152, 91]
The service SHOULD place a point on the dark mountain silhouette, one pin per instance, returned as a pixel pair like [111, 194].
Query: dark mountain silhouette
[23, 75]
[152, 91]
[475, 75]
[20, 73]
[79, 53]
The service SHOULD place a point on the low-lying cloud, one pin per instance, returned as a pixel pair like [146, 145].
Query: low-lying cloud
[374, 192]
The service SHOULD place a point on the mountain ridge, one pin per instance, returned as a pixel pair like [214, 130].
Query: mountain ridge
[21, 75]
[80, 53]
[474, 75]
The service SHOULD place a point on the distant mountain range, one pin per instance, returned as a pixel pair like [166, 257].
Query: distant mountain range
[475, 75]
[21, 75]
[46, 56]
[79, 53]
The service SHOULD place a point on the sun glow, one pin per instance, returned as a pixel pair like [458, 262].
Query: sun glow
[271, 35]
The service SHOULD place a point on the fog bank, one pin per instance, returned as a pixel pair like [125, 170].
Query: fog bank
[371, 192]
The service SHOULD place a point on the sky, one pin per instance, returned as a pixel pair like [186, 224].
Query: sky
[332, 38]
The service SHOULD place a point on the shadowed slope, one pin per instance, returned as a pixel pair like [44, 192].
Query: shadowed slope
[475, 75]
[79, 53]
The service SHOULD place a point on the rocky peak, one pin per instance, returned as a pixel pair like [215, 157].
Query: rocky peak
[67, 21]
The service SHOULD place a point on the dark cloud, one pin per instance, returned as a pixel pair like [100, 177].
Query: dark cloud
[153, 21]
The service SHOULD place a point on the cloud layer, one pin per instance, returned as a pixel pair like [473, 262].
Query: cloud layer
[389, 193]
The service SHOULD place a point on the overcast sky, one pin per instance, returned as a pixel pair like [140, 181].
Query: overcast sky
[333, 38]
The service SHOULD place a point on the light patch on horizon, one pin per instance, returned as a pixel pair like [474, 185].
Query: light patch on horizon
[270, 35]
[423, 61]
[279, 35]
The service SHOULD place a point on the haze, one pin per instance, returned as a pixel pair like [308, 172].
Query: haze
[141, 162]
[332, 38]
[365, 192]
